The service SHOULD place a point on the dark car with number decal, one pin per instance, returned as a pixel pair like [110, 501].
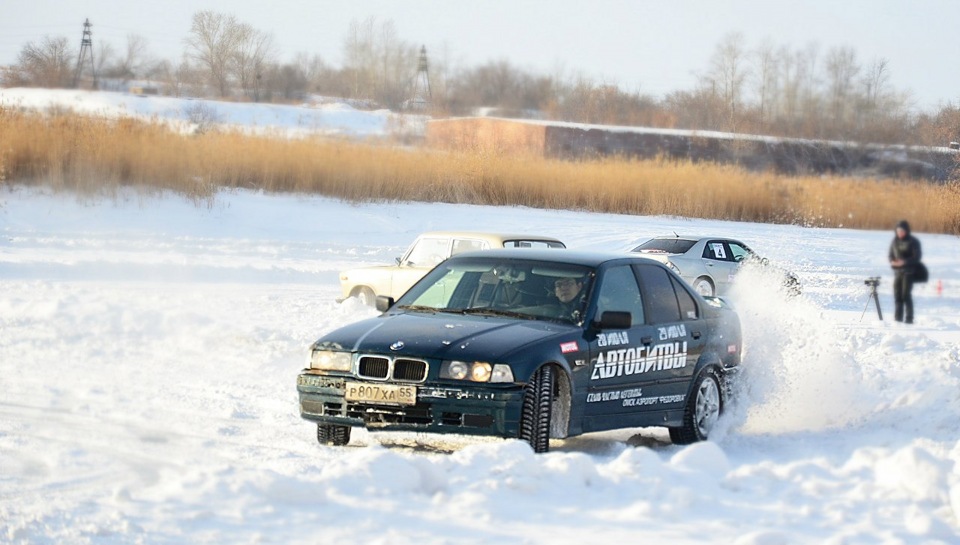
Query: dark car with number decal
[529, 344]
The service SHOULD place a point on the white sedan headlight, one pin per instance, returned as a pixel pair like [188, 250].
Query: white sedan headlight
[330, 360]
[476, 371]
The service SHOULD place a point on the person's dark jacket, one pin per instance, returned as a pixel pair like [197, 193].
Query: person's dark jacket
[906, 248]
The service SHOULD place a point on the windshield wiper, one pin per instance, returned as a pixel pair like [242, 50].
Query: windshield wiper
[418, 308]
[487, 311]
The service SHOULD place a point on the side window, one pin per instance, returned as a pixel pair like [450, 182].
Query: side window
[715, 250]
[688, 307]
[619, 292]
[427, 252]
[658, 294]
[738, 252]
[461, 245]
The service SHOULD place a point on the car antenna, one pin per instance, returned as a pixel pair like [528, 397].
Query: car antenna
[675, 234]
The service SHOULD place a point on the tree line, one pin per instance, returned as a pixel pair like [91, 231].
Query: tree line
[806, 92]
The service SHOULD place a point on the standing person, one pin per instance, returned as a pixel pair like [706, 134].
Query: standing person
[904, 256]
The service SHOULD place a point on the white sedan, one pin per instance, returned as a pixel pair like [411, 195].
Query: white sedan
[709, 264]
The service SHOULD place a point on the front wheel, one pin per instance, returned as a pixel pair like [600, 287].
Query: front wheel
[333, 434]
[536, 412]
[702, 411]
[366, 296]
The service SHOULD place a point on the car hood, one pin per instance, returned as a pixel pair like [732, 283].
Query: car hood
[443, 336]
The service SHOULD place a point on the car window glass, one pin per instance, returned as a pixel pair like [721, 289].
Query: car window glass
[519, 243]
[666, 246]
[619, 292]
[428, 252]
[688, 307]
[461, 245]
[500, 287]
[661, 300]
[739, 252]
[440, 292]
[715, 250]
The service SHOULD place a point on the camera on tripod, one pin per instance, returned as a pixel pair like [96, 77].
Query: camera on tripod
[873, 282]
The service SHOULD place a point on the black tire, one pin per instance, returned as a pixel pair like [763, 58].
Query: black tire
[332, 434]
[704, 407]
[535, 415]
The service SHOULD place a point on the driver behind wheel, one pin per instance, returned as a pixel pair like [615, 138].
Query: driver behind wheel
[569, 292]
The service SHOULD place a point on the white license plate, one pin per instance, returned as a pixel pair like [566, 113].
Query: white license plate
[388, 394]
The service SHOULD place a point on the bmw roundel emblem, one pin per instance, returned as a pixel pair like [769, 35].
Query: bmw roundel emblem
[397, 346]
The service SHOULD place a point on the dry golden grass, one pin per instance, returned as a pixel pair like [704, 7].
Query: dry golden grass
[90, 155]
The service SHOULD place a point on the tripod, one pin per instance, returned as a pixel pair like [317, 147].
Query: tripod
[873, 283]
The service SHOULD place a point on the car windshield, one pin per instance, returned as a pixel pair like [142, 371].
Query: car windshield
[525, 289]
[666, 246]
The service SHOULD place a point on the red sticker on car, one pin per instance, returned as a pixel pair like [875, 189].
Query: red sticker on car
[571, 346]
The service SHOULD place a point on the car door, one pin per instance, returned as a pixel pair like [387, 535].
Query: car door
[719, 262]
[673, 314]
[618, 380]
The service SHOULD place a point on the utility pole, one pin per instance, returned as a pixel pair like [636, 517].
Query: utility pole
[86, 47]
[422, 94]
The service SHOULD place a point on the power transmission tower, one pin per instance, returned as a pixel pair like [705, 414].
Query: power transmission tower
[422, 95]
[86, 48]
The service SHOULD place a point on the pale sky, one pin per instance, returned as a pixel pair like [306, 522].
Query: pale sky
[654, 46]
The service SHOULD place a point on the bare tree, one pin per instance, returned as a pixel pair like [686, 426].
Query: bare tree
[212, 43]
[104, 59]
[875, 81]
[254, 50]
[766, 63]
[134, 59]
[728, 73]
[841, 71]
[799, 93]
[46, 64]
[380, 64]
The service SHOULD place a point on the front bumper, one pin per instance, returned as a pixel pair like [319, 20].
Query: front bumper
[465, 409]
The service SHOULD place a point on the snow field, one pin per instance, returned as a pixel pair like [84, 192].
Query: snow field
[149, 350]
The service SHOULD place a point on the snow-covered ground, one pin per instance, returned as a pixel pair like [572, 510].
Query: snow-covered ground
[189, 114]
[149, 350]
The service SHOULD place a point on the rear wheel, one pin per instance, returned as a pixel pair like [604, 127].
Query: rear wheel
[702, 411]
[535, 415]
[703, 286]
[333, 434]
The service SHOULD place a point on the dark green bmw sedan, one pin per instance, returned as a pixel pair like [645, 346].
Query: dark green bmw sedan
[529, 344]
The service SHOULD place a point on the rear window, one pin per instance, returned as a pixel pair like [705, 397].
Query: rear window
[665, 246]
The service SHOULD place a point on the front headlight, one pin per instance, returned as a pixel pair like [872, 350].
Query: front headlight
[476, 371]
[330, 360]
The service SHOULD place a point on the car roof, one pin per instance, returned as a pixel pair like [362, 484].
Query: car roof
[572, 257]
[692, 238]
[498, 237]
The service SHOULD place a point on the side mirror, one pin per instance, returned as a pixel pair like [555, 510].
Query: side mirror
[613, 319]
[384, 303]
